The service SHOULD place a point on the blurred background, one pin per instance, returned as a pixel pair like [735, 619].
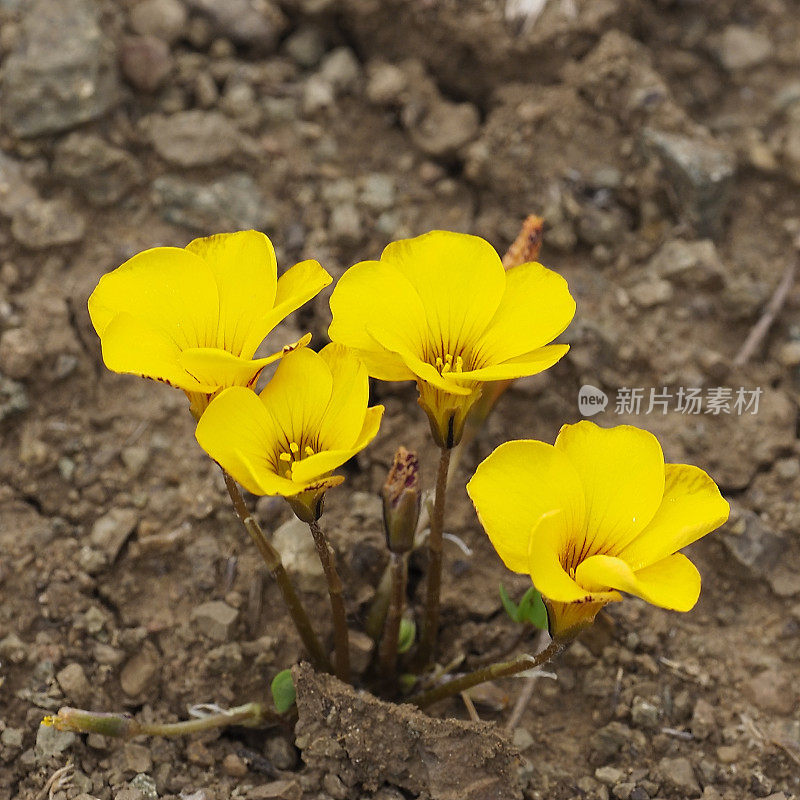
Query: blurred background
[660, 142]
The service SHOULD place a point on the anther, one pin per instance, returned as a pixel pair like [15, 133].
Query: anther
[293, 446]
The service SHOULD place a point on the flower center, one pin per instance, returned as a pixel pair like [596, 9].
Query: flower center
[294, 453]
[448, 364]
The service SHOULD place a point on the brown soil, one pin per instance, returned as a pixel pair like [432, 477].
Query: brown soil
[661, 142]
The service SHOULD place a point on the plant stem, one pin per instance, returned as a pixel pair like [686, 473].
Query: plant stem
[501, 670]
[391, 632]
[427, 646]
[272, 558]
[123, 726]
[340, 635]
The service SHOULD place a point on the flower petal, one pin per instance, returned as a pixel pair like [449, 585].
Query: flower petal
[535, 308]
[344, 416]
[298, 395]
[373, 294]
[515, 486]
[238, 432]
[131, 345]
[691, 508]
[310, 468]
[460, 280]
[527, 364]
[166, 288]
[673, 582]
[245, 270]
[622, 472]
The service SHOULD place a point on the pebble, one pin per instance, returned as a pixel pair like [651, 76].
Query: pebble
[305, 46]
[165, 19]
[602, 225]
[693, 264]
[385, 84]
[742, 48]
[644, 714]
[16, 191]
[341, 69]
[361, 649]
[51, 742]
[789, 354]
[345, 224]
[610, 739]
[146, 62]
[652, 292]
[608, 776]
[198, 753]
[677, 775]
[752, 543]
[215, 619]
[134, 758]
[234, 766]
[146, 785]
[19, 353]
[772, 691]
[193, 138]
[48, 223]
[111, 531]
[293, 541]
[254, 23]
[703, 722]
[12, 738]
[281, 753]
[138, 672]
[318, 94]
[61, 72]
[75, 685]
[445, 128]
[277, 790]
[13, 398]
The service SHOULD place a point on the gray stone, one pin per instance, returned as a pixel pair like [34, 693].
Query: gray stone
[385, 84]
[345, 224]
[51, 742]
[215, 619]
[145, 62]
[102, 173]
[48, 223]
[306, 47]
[62, 72]
[644, 714]
[111, 531]
[703, 722]
[233, 202]
[20, 354]
[603, 225]
[293, 541]
[74, 683]
[791, 144]
[255, 23]
[677, 776]
[193, 138]
[378, 192]
[340, 68]
[165, 19]
[693, 264]
[754, 545]
[318, 94]
[772, 691]
[789, 354]
[280, 752]
[742, 48]
[652, 292]
[701, 174]
[16, 190]
[607, 741]
[445, 128]
[146, 785]
[608, 776]
[138, 673]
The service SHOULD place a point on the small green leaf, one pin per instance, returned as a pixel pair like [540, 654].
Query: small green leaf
[532, 609]
[408, 632]
[508, 604]
[283, 693]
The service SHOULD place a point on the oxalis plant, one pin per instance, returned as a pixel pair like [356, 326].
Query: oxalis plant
[594, 515]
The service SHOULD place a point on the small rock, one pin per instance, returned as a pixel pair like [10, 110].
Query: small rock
[12, 738]
[445, 128]
[276, 790]
[608, 776]
[51, 742]
[193, 138]
[306, 47]
[16, 191]
[677, 776]
[254, 23]
[101, 172]
[345, 224]
[602, 225]
[693, 264]
[165, 19]
[361, 649]
[385, 84]
[75, 685]
[13, 398]
[293, 541]
[703, 722]
[789, 354]
[216, 619]
[340, 69]
[645, 714]
[318, 94]
[233, 202]
[48, 223]
[378, 192]
[701, 174]
[234, 766]
[334, 787]
[784, 581]
[146, 785]
[522, 739]
[652, 292]
[139, 671]
[20, 355]
[135, 758]
[607, 741]
[742, 48]
[145, 62]
[772, 691]
[111, 531]
[281, 753]
[198, 753]
[754, 545]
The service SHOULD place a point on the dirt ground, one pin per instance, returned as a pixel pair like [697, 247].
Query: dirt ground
[660, 139]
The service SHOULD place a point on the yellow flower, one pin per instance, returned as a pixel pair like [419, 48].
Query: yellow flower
[193, 317]
[309, 419]
[597, 514]
[441, 310]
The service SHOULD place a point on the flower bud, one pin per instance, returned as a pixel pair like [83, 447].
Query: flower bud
[401, 501]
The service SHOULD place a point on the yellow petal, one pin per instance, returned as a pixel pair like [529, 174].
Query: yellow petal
[168, 289]
[344, 416]
[238, 432]
[527, 364]
[298, 394]
[130, 345]
[296, 286]
[535, 308]
[383, 364]
[691, 508]
[374, 295]
[515, 487]
[245, 270]
[546, 545]
[622, 472]
[673, 582]
[320, 464]
[460, 280]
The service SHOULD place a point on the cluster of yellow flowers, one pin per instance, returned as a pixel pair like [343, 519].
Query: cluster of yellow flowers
[596, 514]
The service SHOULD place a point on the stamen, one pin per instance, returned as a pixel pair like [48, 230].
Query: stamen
[309, 450]
[293, 446]
[439, 363]
[285, 456]
[459, 364]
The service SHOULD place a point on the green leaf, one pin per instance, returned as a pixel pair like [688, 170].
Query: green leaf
[508, 604]
[408, 632]
[283, 693]
[532, 609]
